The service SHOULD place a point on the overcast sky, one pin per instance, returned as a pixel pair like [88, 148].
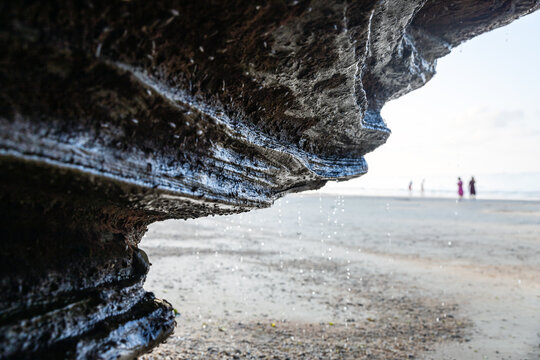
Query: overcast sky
[479, 115]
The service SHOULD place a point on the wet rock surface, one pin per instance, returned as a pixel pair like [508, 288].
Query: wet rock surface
[116, 115]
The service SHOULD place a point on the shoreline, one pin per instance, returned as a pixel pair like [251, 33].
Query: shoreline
[415, 197]
[459, 279]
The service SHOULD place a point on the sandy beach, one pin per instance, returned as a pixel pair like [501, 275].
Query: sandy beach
[334, 277]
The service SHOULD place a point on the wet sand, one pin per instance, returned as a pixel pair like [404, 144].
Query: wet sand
[330, 277]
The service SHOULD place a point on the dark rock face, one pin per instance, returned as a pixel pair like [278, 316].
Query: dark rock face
[114, 115]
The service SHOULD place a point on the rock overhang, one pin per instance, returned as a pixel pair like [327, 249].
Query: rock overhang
[115, 115]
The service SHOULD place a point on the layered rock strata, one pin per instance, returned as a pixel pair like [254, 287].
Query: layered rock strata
[114, 115]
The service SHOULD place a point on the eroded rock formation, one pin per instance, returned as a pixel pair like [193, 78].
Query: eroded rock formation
[114, 115]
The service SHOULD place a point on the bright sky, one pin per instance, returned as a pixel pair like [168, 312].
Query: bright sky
[479, 115]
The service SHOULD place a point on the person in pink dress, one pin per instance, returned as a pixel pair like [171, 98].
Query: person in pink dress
[460, 188]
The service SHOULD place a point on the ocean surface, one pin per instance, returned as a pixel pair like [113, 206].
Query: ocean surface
[522, 186]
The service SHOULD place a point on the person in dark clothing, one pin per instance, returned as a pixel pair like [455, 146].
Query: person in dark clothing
[472, 188]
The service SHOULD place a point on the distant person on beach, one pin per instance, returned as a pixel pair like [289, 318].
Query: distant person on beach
[410, 188]
[472, 188]
[460, 188]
